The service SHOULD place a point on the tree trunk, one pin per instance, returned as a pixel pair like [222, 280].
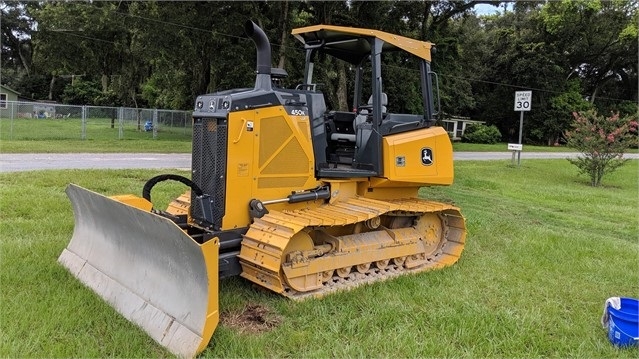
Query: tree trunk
[342, 95]
[594, 94]
[51, 84]
[26, 63]
[284, 37]
[203, 73]
[426, 14]
[105, 83]
[137, 110]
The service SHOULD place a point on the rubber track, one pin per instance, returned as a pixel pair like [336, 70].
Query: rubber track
[280, 226]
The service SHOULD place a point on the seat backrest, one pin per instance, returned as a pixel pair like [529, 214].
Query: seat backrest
[360, 118]
[384, 101]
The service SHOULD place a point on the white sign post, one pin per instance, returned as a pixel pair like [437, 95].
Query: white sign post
[523, 102]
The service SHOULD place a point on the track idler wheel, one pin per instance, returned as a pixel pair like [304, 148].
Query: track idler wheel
[301, 243]
[343, 272]
[382, 264]
[327, 275]
[363, 268]
[399, 261]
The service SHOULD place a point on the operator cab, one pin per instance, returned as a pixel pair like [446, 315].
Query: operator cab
[348, 144]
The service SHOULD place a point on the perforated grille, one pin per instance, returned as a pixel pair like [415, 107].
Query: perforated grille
[208, 165]
[291, 160]
[275, 131]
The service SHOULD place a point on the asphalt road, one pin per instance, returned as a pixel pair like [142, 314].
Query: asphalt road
[16, 162]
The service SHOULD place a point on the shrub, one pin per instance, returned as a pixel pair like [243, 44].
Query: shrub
[478, 133]
[81, 93]
[601, 141]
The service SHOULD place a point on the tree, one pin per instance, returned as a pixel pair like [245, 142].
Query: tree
[573, 54]
[453, 28]
[558, 116]
[599, 39]
[16, 28]
[81, 93]
[77, 38]
[602, 142]
[568, 52]
[518, 57]
[16, 67]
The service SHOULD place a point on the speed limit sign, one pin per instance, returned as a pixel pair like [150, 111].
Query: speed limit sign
[523, 100]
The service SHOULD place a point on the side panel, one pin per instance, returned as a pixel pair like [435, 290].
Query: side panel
[422, 157]
[270, 154]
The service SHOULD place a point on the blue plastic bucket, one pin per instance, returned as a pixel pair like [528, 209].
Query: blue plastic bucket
[623, 327]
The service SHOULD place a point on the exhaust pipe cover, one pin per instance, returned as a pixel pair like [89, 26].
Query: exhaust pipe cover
[263, 47]
[263, 77]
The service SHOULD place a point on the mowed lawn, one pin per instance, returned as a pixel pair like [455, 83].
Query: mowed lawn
[544, 251]
[65, 136]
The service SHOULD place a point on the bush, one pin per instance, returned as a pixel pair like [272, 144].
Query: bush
[81, 93]
[478, 133]
[601, 141]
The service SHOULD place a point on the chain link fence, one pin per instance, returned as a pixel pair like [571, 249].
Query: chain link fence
[47, 121]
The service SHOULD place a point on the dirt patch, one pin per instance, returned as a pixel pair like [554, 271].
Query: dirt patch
[253, 318]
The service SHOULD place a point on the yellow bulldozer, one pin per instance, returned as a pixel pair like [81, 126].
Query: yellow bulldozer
[288, 194]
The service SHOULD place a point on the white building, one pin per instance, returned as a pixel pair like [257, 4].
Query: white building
[457, 125]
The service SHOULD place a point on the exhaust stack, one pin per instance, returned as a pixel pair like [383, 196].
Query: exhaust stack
[263, 47]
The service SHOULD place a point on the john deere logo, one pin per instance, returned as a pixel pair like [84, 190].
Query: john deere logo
[427, 156]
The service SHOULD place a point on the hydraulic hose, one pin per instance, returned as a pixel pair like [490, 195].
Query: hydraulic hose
[146, 190]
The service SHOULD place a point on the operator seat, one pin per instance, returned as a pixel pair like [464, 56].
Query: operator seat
[384, 102]
[363, 114]
[361, 117]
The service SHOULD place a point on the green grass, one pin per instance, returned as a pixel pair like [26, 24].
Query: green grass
[97, 146]
[65, 136]
[503, 147]
[544, 251]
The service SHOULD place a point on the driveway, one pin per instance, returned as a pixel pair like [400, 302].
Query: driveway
[16, 162]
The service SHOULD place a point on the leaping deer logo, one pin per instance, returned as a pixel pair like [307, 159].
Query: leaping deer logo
[427, 156]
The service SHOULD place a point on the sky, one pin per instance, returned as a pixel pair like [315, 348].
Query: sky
[487, 9]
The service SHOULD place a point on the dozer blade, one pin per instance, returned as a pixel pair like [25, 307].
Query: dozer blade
[147, 268]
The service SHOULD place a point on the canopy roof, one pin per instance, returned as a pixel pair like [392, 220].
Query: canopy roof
[350, 44]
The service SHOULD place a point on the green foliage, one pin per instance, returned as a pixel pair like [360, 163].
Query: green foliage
[165, 54]
[478, 133]
[597, 42]
[16, 28]
[33, 86]
[602, 142]
[518, 49]
[160, 92]
[568, 52]
[82, 93]
[558, 117]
